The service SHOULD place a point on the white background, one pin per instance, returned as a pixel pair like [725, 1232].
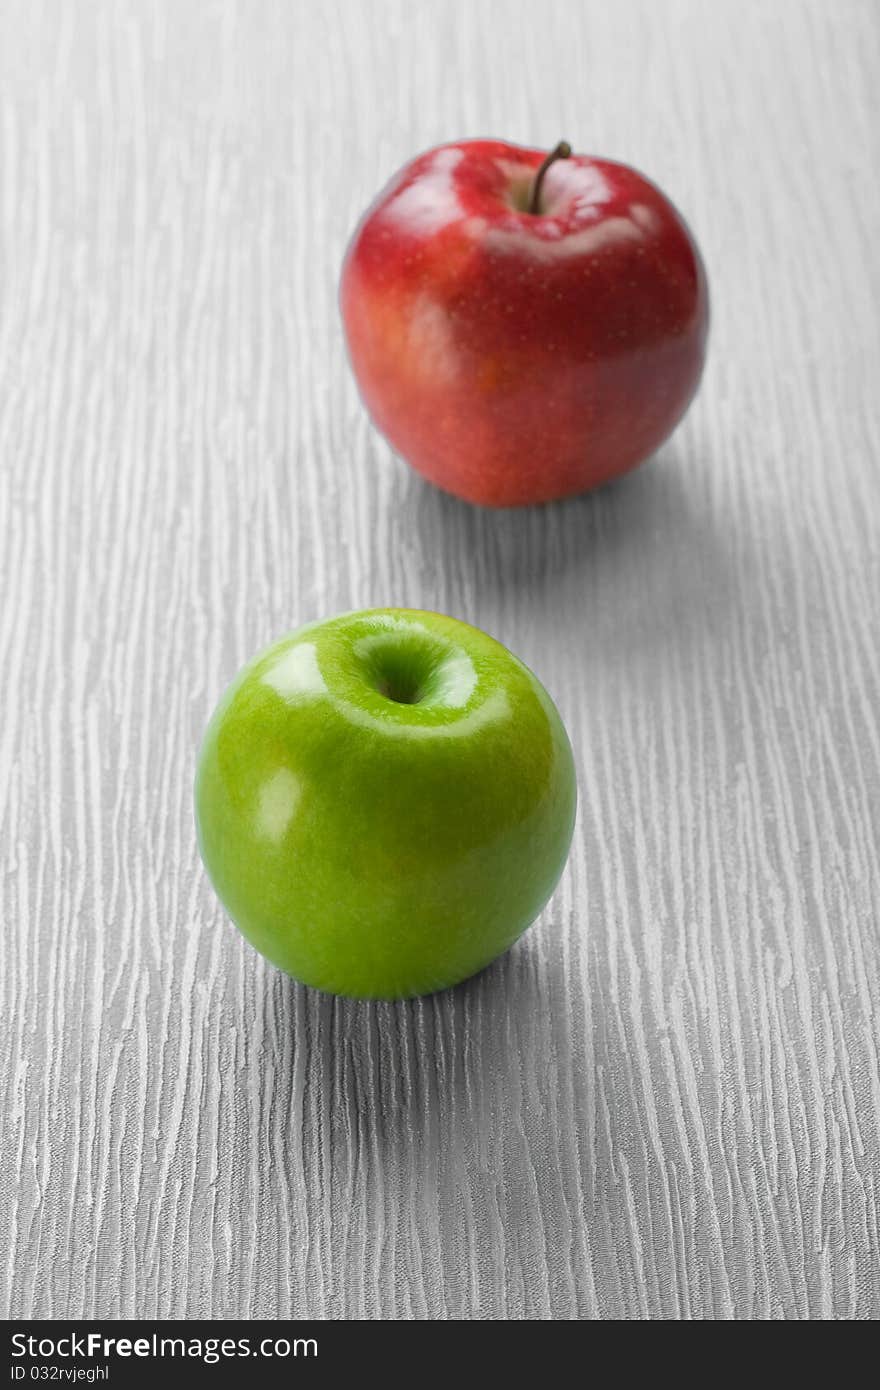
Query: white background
[665, 1100]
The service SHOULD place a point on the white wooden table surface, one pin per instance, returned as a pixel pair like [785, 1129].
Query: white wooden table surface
[665, 1101]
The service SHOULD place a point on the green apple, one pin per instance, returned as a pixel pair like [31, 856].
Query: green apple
[385, 801]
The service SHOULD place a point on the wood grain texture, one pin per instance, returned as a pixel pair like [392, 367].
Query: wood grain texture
[665, 1102]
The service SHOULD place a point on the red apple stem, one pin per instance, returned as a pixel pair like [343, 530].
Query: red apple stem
[560, 151]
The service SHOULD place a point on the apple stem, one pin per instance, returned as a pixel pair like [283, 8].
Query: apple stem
[560, 151]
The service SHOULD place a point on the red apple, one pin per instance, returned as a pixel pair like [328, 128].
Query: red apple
[521, 326]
